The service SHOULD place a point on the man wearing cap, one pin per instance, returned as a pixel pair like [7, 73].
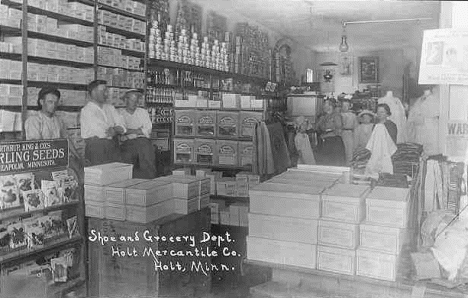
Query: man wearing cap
[46, 125]
[100, 126]
[136, 147]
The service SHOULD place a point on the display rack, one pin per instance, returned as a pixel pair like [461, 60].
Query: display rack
[23, 250]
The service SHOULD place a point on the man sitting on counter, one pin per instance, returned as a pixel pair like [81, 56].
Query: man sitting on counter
[101, 124]
[136, 144]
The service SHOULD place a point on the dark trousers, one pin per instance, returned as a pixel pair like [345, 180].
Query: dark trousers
[140, 153]
[101, 151]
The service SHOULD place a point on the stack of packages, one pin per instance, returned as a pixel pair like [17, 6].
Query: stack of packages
[283, 218]
[111, 193]
[406, 159]
[384, 236]
[343, 209]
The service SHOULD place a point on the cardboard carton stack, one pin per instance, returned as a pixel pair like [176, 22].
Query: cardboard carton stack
[343, 209]
[110, 192]
[384, 236]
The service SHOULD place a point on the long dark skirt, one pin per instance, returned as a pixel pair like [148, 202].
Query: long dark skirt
[101, 151]
[140, 153]
[331, 152]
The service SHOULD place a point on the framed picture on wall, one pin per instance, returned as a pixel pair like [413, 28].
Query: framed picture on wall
[368, 70]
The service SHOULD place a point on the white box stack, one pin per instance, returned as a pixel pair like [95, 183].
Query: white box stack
[283, 223]
[343, 209]
[384, 236]
[96, 179]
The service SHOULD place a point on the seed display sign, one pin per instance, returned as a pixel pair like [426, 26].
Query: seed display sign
[33, 155]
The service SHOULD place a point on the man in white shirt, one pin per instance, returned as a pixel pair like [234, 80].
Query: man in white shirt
[136, 147]
[100, 126]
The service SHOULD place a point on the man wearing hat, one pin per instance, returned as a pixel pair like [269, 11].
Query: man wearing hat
[364, 130]
[101, 124]
[136, 144]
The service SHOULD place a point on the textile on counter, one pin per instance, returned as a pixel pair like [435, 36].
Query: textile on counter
[95, 121]
[382, 148]
[42, 127]
[281, 160]
[362, 135]
[349, 121]
[140, 153]
[306, 155]
[392, 130]
[423, 123]
[101, 151]
[262, 162]
[406, 159]
[398, 115]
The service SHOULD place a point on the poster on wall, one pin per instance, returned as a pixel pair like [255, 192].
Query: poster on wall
[444, 57]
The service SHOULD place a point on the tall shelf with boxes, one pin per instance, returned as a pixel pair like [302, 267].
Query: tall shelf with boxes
[42, 248]
[67, 44]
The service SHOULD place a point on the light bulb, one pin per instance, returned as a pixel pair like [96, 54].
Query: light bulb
[344, 45]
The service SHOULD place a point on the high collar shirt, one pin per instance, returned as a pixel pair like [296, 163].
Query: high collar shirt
[139, 119]
[95, 121]
[42, 127]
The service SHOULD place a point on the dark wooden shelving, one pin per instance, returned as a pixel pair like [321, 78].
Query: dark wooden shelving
[50, 14]
[55, 61]
[128, 34]
[28, 252]
[126, 52]
[121, 12]
[215, 138]
[124, 68]
[19, 212]
[227, 167]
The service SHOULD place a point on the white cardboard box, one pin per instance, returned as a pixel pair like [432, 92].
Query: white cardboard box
[336, 260]
[338, 234]
[389, 212]
[344, 202]
[94, 193]
[148, 193]
[278, 199]
[107, 173]
[282, 252]
[283, 228]
[148, 214]
[384, 239]
[116, 192]
[376, 264]
[115, 211]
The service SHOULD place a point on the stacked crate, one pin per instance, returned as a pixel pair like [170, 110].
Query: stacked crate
[283, 219]
[343, 209]
[384, 236]
[96, 179]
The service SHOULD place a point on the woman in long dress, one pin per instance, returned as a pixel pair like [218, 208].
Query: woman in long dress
[331, 150]
[349, 125]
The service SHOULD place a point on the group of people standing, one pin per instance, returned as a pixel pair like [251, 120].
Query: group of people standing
[110, 135]
[341, 133]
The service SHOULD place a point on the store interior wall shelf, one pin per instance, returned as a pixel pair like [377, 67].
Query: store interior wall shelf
[125, 33]
[121, 12]
[215, 138]
[48, 13]
[125, 52]
[124, 68]
[59, 39]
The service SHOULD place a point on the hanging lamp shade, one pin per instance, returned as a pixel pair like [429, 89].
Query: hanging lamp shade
[328, 64]
[343, 45]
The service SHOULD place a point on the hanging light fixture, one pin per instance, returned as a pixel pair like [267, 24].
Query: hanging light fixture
[344, 45]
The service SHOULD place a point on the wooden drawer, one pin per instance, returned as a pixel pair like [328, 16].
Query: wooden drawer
[336, 260]
[283, 228]
[338, 234]
[281, 252]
